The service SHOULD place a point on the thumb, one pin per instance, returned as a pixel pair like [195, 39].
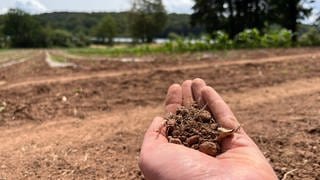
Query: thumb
[155, 134]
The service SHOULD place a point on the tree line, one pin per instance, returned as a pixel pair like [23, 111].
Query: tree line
[148, 19]
[234, 16]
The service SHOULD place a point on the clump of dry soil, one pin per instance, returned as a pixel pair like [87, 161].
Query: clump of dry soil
[196, 128]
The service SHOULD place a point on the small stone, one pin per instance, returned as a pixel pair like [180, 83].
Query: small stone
[195, 131]
[64, 99]
[204, 132]
[214, 126]
[205, 116]
[195, 146]
[209, 148]
[174, 140]
[75, 112]
[182, 111]
[193, 140]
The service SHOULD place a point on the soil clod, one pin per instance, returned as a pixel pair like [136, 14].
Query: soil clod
[209, 148]
[175, 140]
[196, 128]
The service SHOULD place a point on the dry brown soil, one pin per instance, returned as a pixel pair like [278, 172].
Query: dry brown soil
[195, 127]
[87, 122]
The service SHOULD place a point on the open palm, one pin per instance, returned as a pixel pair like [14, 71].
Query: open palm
[241, 158]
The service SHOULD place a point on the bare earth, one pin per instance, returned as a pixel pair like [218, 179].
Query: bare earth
[88, 121]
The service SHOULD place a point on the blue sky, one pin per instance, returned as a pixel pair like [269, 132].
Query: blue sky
[180, 6]
[38, 6]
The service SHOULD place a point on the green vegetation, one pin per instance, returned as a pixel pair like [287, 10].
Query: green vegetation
[75, 22]
[288, 13]
[137, 50]
[60, 38]
[236, 16]
[310, 38]
[23, 30]
[146, 20]
[249, 38]
[58, 58]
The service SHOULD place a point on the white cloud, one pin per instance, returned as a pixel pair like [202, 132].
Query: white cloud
[179, 6]
[38, 6]
[315, 12]
[30, 6]
[3, 10]
[311, 19]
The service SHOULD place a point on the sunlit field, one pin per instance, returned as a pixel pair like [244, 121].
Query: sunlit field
[81, 81]
[71, 116]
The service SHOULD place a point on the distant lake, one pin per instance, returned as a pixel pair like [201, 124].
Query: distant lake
[127, 40]
[130, 40]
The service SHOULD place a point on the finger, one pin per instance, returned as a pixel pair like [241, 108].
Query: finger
[219, 108]
[197, 85]
[225, 118]
[174, 98]
[153, 138]
[155, 133]
[187, 97]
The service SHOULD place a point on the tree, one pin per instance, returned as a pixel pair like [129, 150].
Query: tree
[317, 23]
[23, 30]
[106, 29]
[148, 18]
[2, 37]
[288, 13]
[60, 38]
[208, 13]
[233, 16]
[311, 37]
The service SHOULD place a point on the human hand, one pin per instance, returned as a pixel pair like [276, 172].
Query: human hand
[240, 158]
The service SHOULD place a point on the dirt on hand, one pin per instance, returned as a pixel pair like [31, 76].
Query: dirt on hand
[196, 128]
